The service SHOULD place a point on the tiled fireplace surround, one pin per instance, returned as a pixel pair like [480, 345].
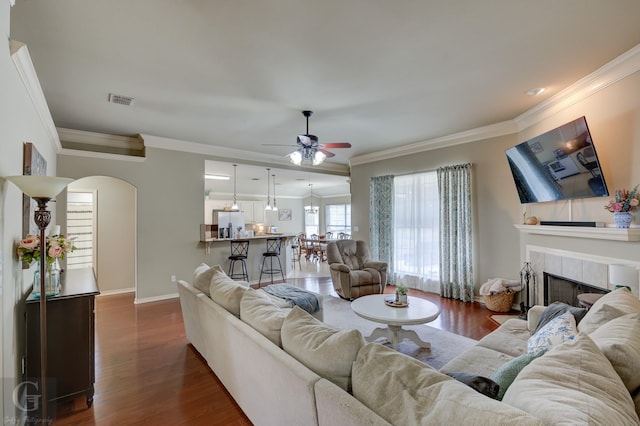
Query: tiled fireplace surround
[586, 268]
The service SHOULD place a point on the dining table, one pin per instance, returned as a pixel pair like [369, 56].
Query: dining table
[315, 249]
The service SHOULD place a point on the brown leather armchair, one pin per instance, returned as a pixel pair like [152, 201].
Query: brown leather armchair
[353, 273]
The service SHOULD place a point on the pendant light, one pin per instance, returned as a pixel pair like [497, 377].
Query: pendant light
[268, 206]
[274, 208]
[311, 209]
[234, 206]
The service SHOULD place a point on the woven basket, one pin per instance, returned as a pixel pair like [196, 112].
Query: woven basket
[500, 302]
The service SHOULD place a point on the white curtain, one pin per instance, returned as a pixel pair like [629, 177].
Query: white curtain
[416, 261]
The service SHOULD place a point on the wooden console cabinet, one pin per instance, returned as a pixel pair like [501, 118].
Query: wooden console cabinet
[71, 337]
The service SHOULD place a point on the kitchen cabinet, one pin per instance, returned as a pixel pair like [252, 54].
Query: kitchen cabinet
[253, 211]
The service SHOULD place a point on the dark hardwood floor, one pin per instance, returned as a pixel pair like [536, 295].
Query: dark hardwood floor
[148, 374]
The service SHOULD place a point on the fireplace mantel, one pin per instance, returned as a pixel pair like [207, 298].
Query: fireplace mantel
[613, 234]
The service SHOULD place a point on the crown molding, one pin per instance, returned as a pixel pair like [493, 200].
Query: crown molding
[100, 155]
[26, 71]
[480, 133]
[619, 68]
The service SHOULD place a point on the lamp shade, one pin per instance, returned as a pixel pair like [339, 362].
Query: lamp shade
[40, 186]
[624, 275]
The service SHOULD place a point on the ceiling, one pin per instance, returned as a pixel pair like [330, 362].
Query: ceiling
[379, 74]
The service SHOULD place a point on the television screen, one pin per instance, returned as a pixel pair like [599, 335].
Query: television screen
[561, 164]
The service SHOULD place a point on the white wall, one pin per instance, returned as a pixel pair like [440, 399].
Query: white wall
[19, 123]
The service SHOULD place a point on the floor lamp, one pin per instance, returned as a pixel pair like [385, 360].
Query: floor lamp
[42, 189]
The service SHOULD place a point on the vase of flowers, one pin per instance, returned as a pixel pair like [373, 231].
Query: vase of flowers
[622, 205]
[57, 247]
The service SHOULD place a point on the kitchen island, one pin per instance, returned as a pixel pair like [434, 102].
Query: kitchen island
[219, 249]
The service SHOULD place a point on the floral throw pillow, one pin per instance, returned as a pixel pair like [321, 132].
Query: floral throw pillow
[559, 330]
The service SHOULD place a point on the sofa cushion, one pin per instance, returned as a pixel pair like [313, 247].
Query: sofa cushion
[507, 372]
[404, 391]
[510, 338]
[619, 341]
[477, 360]
[202, 277]
[325, 350]
[573, 383]
[556, 309]
[610, 306]
[259, 311]
[227, 292]
[559, 330]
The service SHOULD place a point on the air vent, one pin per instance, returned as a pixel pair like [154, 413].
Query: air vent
[121, 100]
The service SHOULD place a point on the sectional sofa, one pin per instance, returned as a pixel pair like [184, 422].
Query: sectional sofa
[283, 366]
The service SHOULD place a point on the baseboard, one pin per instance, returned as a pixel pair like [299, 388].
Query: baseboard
[118, 291]
[155, 298]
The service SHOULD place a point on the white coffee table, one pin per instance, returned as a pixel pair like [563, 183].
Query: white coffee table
[373, 308]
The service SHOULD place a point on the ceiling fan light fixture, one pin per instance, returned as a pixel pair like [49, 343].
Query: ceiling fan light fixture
[318, 158]
[296, 158]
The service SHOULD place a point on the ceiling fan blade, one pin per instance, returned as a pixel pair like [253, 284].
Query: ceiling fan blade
[327, 153]
[336, 145]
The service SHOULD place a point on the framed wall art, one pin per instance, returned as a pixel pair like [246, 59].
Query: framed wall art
[284, 215]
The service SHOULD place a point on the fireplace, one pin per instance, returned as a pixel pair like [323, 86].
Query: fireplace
[561, 289]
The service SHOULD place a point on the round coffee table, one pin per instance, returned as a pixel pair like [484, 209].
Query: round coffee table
[373, 308]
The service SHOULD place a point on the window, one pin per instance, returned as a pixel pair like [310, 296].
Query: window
[416, 257]
[338, 218]
[81, 227]
[311, 223]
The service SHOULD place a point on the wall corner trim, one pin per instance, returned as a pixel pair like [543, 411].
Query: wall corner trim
[26, 71]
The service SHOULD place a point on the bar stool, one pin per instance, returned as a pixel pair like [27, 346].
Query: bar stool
[273, 251]
[295, 253]
[239, 253]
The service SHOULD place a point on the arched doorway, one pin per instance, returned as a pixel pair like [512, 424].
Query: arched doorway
[101, 214]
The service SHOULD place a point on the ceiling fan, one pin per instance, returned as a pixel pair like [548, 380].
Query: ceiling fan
[309, 150]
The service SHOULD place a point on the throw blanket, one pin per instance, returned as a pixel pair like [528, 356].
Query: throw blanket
[499, 285]
[299, 297]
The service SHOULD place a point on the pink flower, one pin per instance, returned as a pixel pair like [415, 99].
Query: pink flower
[634, 202]
[616, 207]
[55, 251]
[30, 242]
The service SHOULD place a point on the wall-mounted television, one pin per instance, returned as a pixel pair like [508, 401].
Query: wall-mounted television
[561, 164]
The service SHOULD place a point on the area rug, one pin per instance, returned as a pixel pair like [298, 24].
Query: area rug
[444, 345]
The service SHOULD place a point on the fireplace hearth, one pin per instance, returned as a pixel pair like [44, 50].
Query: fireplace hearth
[561, 289]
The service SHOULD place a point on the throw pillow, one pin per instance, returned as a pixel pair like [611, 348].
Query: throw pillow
[610, 306]
[619, 341]
[573, 384]
[556, 309]
[507, 372]
[559, 330]
[323, 349]
[259, 311]
[227, 292]
[481, 384]
[405, 391]
[202, 277]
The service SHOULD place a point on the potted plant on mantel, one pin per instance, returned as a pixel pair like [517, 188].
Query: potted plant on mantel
[622, 205]
[401, 293]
